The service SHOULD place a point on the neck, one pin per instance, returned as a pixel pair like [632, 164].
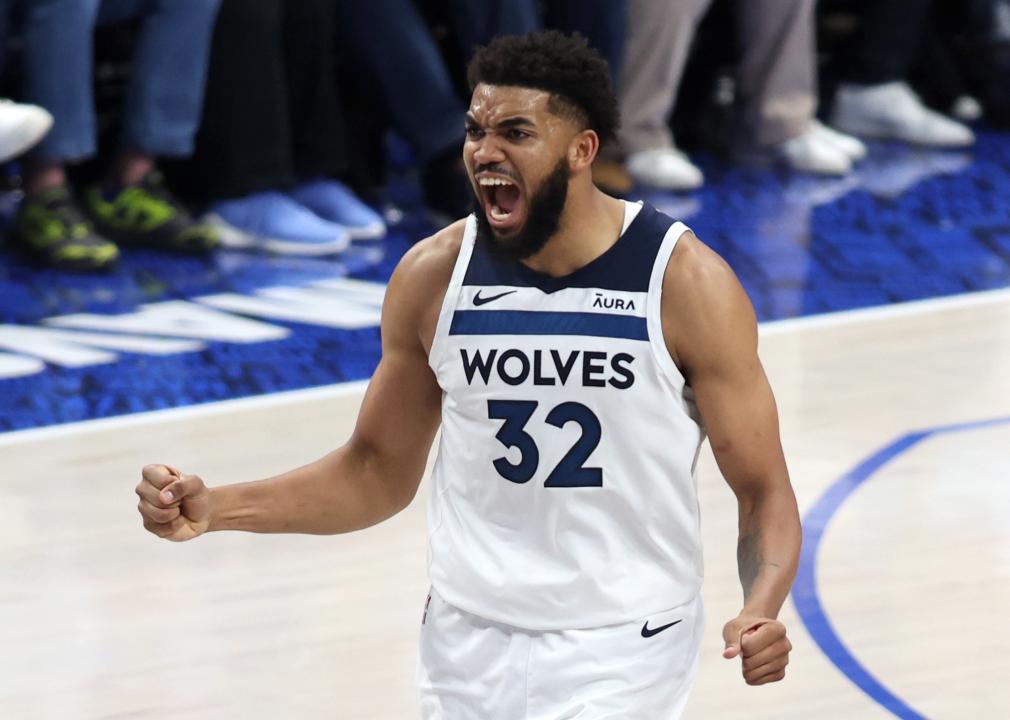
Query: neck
[590, 224]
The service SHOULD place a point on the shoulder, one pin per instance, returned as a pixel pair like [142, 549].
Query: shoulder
[433, 256]
[697, 273]
[420, 280]
[704, 304]
[428, 265]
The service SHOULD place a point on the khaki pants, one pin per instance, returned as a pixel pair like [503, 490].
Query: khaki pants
[776, 78]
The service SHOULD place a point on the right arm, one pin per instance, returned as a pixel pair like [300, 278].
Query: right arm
[370, 478]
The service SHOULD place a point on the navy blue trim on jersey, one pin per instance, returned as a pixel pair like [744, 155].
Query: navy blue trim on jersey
[625, 266]
[529, 322]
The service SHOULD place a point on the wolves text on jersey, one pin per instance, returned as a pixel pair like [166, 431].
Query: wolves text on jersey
[549, 367]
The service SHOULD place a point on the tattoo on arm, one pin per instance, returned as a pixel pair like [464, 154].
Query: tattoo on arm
[749, 560]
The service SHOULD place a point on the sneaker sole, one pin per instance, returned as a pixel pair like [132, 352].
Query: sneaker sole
[767, 160]
[876, 132]
[644, 181]
[376, 231]
[235, 239]
[126, 239]
[40, 259]
[288, 247]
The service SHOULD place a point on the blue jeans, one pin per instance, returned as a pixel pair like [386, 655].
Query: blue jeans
[603, 22]
[168, 72]
[393, 41]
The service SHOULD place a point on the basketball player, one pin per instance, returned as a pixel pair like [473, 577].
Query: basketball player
[575, 349]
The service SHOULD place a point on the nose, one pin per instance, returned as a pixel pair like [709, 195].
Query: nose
[488, 151]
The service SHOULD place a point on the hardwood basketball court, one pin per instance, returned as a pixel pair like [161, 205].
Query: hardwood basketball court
[905, 595]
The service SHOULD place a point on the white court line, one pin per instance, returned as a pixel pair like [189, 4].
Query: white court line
[883, 312]
[774, 327]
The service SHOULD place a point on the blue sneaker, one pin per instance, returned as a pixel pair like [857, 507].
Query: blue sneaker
[336, 202]
[274, 222]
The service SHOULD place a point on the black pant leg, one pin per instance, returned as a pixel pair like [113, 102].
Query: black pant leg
[244, 143]
[319, 132]
[887, 41]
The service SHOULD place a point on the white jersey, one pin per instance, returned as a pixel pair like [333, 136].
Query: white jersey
[564, 492]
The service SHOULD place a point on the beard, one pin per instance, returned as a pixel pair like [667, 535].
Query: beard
[543, 217]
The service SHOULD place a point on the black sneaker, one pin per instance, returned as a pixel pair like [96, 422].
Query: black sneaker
[146, 215]
[51, 227]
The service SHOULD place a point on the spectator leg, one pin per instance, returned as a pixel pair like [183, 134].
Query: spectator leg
[313, 102]
[777, 80]
[165, 97]
[658, 40]
[244, 144]
[603, 22]
[887, 40]
[57, 74]
[412, 77]
[476, 22]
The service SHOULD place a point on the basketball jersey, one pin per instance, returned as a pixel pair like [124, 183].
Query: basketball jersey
[564, 492]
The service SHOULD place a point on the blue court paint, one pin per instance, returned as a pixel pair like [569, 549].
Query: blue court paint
[908, 224]
[805, 592]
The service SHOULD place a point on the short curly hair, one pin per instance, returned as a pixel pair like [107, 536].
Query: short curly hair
[576, 75]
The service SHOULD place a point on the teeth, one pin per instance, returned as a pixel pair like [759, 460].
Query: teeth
[498, 214]
[493, 181]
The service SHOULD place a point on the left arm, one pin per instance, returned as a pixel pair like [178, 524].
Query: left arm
[712, 334]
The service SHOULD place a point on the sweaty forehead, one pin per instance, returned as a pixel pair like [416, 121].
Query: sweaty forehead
[491, 104]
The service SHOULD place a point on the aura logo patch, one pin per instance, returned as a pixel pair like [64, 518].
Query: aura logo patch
[610, 302]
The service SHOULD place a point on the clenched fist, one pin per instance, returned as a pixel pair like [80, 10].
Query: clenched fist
[174, 506]
[762, 645]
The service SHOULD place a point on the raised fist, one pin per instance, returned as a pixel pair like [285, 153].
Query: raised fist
[762, 646]
[174, 506]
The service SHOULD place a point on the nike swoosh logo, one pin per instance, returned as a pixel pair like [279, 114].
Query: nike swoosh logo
[478, 300]
[648, 632]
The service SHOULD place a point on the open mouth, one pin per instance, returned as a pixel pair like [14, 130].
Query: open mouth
[503, 201]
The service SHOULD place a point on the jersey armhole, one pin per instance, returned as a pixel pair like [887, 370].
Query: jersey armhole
[655, 306]
[452, 292]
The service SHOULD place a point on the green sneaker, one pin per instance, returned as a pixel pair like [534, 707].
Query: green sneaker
[147, 215]
[51, 227]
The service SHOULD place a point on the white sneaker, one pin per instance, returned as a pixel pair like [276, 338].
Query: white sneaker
[665, 168]
[892, 111]
[849, 145]
[812, 153]
[966, 108]
[21, 127]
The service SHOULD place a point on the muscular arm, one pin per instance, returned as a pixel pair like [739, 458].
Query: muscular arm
[377, 472]
[712, 333]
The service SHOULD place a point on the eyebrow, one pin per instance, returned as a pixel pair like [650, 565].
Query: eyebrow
[519, 121]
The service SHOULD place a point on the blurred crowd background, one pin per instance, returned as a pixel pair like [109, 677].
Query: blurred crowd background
[274, 125]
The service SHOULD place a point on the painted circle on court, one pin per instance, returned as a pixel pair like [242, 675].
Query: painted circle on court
[805, 594]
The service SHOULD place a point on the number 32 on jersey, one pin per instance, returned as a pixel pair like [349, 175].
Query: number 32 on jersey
[569, 472]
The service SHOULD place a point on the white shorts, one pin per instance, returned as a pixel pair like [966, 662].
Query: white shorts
[475, 669]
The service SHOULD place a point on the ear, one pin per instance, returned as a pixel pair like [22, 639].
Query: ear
[582, 150]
